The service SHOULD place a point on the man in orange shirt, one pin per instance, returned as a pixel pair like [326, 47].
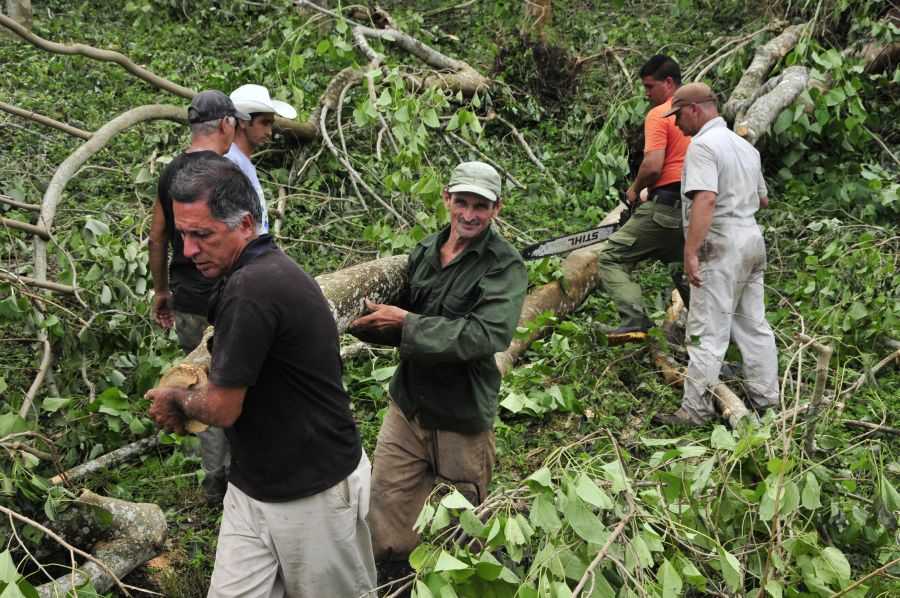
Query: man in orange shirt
[654, 231]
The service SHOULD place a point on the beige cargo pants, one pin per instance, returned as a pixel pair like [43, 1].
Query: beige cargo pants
[410, 461]
[729, 306]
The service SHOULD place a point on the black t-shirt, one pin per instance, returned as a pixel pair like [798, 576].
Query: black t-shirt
[275, 336]
[190, 289]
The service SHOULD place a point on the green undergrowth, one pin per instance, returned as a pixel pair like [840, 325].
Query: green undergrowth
[702, 504]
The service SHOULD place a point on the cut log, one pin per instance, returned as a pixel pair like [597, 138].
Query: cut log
[136, 534]
[763, 61]
[786, 88]
[582, 276]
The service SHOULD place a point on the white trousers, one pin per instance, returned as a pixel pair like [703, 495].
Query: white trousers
[310, 547]
[730, 305]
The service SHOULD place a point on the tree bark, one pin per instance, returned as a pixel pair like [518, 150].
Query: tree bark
[583, 277]
[763, 61]
[764, 110]
[137, 533]
[107, 461]
[20, 12]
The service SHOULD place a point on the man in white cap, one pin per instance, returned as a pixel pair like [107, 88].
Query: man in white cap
[466, 290]
[250, 135]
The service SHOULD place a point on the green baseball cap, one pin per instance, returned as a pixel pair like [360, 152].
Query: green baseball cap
[476, 177]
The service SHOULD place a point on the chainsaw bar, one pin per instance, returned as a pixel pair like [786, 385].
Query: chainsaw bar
[569, 242]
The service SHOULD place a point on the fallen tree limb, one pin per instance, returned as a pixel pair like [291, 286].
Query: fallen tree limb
[763, 111]
[731, 405]
[107, 461]
[895, 356]
[763, 61]
[45, 120]
[19, 204]
[31, 229]
[582, 276]
[870, 426]
[96, 54]
[39, 377]
[42, 284]
[381, 281]
[823, 358]
[136, 534]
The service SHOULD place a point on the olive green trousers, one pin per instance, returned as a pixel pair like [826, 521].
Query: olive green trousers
[652, 233]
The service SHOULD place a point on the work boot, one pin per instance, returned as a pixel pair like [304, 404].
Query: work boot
[626, 334]
[675, 419]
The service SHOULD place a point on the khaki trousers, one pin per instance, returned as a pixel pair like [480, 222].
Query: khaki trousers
[409, 462]
[310, 547]
[730, 305]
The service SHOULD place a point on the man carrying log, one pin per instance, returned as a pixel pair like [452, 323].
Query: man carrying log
[466, 290]
[294, 520]
[654, 230]
[181, 293]
[724, 259]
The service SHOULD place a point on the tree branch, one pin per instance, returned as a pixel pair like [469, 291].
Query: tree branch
[45, 120]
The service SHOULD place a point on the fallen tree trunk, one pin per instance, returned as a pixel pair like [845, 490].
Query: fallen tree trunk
[582, 278]
[755, 75]
[136, 534]
[776, 95]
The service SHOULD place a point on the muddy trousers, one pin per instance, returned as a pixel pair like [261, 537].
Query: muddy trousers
[310, 547]
[730, 305]
[654, 232]
[409, 463]
[215, 452]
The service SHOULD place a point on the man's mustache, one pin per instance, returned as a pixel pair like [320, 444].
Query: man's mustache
[474, 222]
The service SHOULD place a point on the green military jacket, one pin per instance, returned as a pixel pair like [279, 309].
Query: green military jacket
[459, 317]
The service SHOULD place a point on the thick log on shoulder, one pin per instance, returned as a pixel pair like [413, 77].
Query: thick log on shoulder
[786, 88]
[136, 534]
[763, 61]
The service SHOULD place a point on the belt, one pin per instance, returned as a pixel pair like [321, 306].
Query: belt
[665, 197]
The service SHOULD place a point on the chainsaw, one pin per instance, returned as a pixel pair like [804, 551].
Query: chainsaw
[576, 240]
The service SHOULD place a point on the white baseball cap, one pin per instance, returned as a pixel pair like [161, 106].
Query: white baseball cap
[255, 98]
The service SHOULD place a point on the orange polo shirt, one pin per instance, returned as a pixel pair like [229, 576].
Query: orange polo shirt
[661, 133]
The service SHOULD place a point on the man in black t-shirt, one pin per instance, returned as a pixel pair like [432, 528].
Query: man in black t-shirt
[211, 117]
[294, 519]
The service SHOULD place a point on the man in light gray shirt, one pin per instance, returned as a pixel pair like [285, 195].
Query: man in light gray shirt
[250, 135]
[724, 259]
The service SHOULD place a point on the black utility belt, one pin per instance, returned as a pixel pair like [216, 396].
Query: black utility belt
[665, 197]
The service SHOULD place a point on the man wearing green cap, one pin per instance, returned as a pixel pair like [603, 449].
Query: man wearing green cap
[466, 291]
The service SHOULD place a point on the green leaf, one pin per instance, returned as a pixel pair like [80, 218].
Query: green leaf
[790, 498]
[659, 441]
[774, 588]
[692, 575]
[731, 570]
[582, 521]
[96, 227]
[542, 477]
[721, 438]
[615, 475]
[382, 374]
[447, 562]
[455, 500]
[701, 475]
[637, 549]
[8, 571]
[421, 556]
[471, 524]
[51, 404]
[591, 493]
[837, 561]
[811, 493]
[669, 579]
[544, 516]
[857, 311]
[513, 532]
[430, 118]
[12, 591]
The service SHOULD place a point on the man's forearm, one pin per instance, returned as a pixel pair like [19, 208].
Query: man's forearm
[159, 265]
[208, 405]
[703, 205]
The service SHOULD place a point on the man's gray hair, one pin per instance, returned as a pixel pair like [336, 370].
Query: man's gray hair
[220, 183]
[208, 127]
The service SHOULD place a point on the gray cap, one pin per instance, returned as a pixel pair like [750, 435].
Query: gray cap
[476, 177]
[212, 105]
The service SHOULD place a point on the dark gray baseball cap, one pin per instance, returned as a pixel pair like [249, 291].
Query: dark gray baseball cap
[212, 104]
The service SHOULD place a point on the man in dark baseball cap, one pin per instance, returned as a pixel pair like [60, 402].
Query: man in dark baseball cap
[212, 104]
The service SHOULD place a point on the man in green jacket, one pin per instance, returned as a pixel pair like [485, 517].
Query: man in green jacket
[466, 290]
